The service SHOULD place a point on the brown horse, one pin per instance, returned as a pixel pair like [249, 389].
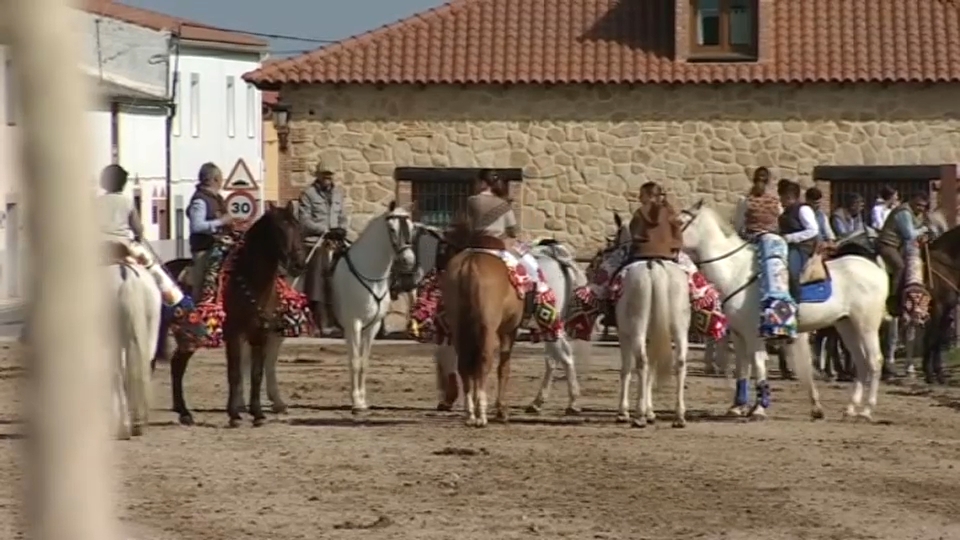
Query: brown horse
[944, 276]
[484, 314]
[270, 246]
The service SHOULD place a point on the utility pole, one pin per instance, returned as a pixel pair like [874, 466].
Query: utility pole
[70, 474]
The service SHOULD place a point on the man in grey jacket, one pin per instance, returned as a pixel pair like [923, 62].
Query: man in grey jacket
[322, 215]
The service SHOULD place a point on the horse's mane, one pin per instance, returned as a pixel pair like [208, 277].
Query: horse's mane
[261, 241]
[725, 227]
[948, 243]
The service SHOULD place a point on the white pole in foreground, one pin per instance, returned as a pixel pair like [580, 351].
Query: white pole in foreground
[71, 473]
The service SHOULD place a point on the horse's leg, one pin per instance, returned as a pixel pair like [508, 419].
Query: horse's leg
[799, 354]
[366, 345]
[178, 367]
[645, 384]
[681, 338]
[545, 384]
[489, 354]
[234, 350]
[503, 375]
[759, 351]
[352, 335]
[469, 396]
[561, 351]
[627, 351]
[867, 366]
[271, 356]
[257, 361]
[890, 349]
[445, 358]
[121, 408]
[910, 336]
[741, 370]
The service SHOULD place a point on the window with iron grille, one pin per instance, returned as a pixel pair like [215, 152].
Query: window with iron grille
[439, 194]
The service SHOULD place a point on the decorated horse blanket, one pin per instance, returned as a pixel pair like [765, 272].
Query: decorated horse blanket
[293, 316]
[606, 286]
[916, 297]
[778, 310]
[426, 317]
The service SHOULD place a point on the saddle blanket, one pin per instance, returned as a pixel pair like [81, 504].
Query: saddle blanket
[293, 318]
[427, 321]
[708, 316]
[778, 310]
[915, 296]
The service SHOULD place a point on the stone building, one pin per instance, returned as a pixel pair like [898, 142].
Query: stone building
[581, 101]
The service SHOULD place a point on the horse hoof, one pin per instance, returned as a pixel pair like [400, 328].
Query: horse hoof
[257, 422]
[533, 408]
[758, 413]
[623, 418]
[679, 423]
[736, 410]
[865, 416]
[136, 431]
[444, 407]
[502, 417]
[470, 422]
[186, 419]
[652, 419]
[356, 411]
[234, 423]
[279, 408]
[817, 413]
[572, 411]
[639, 422]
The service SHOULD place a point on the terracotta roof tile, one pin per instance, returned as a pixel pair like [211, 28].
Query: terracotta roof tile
[632, 41]
[189, 30]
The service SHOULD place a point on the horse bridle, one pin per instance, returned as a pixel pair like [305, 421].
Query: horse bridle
[399, 245]
[727, 255]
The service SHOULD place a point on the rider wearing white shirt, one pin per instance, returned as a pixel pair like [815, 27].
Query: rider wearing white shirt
[799, 228]
[889, 198]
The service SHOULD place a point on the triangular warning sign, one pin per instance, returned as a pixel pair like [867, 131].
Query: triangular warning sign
[240, 177]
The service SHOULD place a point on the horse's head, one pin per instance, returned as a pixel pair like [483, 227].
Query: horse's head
[621, 235]
[700, 224]
[278, 232]
[400, 230]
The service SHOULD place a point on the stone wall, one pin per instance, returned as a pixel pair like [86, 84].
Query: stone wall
[585, 150]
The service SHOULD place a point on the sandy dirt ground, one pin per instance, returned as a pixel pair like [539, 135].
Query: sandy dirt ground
[407, 472]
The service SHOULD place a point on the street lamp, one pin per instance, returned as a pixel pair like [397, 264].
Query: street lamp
[281, 119]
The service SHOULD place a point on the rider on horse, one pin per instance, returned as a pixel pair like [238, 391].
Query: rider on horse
[654, 228]
[900, 232]
[208, 218]
[323, 218]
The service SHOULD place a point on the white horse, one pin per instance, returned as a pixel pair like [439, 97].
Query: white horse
[563, 276]
[654, 306]
[361, 289]
[138, 306]
[856, 307]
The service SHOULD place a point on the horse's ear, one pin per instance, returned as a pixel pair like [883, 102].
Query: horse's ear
[392, 206]
[699, 204]
[271, 205]
[291, 207]
[617, 220]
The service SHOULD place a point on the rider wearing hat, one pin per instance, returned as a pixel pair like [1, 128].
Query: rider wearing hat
[322, 215]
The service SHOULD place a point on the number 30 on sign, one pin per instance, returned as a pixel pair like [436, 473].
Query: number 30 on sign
[241, 205]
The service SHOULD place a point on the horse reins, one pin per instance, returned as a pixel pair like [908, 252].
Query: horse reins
[727, 255]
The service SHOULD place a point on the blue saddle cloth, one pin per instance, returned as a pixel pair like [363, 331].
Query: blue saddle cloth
[816, 293]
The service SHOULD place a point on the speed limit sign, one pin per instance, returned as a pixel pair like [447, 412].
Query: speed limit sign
[241, 205]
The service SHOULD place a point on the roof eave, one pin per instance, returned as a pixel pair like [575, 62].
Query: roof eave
[224, 46]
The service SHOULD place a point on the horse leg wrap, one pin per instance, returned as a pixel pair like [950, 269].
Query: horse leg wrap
[763, 394]
[742, 392]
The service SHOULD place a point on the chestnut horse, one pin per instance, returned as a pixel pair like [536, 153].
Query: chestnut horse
[484, 313]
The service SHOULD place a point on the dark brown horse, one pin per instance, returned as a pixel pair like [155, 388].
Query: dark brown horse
[271, 246]
[944, 276]
[484, 314]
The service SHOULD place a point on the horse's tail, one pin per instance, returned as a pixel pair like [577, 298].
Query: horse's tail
[470, 332]
[659, 334]
[137, 341]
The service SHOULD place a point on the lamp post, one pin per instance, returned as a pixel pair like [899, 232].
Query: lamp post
[281, 119]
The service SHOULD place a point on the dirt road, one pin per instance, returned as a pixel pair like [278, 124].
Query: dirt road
[408, 472]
